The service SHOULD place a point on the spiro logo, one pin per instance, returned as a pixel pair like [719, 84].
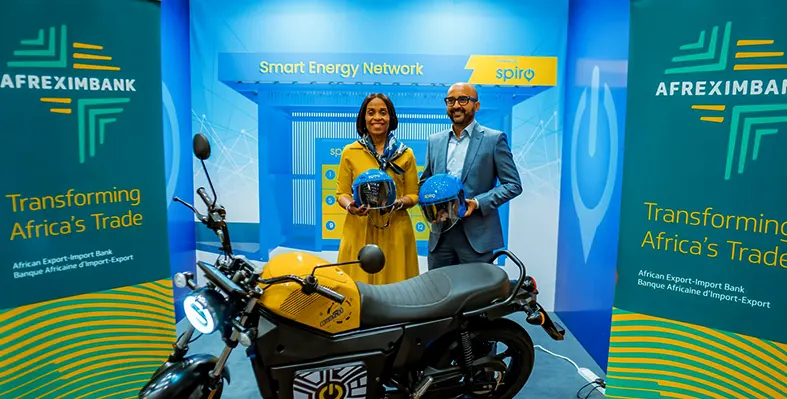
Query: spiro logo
[512, 70]
[71, 89]
[506, 74]
[719, 80]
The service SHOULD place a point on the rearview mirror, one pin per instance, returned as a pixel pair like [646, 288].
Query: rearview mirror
[201, 146]
[372, 258]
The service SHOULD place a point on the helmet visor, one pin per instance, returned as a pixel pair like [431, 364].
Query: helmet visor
[377, 195]
[442, 216]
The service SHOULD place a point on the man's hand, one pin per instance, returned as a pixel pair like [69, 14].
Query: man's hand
[472, 205]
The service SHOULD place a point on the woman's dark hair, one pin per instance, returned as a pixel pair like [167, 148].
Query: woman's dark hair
[360, 122]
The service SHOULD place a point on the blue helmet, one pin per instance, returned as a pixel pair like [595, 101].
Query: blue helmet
[442, 202]
[375, 190]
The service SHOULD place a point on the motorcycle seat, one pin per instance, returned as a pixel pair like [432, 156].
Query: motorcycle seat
[436, 294]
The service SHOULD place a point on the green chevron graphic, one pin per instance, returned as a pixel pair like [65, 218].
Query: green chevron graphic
[35, 42]
[757, 137]
[103, 122]
[700, 42]
[746, 123]
[48, 52]
[716, 63]
[87, 118]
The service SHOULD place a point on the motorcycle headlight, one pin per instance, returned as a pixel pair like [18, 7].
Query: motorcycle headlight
[204, 308]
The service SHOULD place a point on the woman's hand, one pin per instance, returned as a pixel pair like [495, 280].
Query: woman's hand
[357, 211]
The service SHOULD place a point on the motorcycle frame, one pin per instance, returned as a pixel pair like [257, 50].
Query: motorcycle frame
[281, 347]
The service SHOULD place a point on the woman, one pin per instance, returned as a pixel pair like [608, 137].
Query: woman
[378, 148]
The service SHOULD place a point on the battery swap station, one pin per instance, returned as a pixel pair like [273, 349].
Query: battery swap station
[305, 121]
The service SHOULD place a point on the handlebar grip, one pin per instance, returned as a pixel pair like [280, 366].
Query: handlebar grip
[204, 196]
[330, 294]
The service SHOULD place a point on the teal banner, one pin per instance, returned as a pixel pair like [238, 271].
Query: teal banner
[702, 264]
[83, 196]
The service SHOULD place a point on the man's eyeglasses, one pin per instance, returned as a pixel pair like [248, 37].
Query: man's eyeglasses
[450, 101]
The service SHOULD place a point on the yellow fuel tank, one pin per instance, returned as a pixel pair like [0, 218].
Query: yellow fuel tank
[288, 299]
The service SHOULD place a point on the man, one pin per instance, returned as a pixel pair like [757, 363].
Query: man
[479, 156]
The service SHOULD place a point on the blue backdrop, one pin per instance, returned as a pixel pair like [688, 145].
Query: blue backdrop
[276, 139]
[596, 66]
[176, 98]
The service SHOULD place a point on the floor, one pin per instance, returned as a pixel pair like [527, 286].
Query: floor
[552, 377]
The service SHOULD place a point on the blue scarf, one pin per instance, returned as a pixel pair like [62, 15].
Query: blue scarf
[393, 150]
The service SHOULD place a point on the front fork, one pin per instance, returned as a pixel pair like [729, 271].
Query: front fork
[181, 346]
[238, 328]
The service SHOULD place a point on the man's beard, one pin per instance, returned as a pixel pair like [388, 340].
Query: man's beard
[459, 116]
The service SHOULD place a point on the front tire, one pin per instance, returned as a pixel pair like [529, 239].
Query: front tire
[184, 379]
[484, 336]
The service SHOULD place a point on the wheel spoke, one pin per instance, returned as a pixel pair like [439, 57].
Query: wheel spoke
[508, 353]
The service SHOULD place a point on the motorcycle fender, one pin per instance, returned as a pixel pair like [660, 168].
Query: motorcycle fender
[181, 379]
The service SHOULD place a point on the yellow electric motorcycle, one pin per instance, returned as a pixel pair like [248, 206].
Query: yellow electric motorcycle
[311, 332]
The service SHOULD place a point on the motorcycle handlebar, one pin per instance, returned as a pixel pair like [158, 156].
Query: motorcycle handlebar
[214, 219]
[330, 294]
[220, 280]
[228, 285]
[310, 288]
[200, 216]
[205, 198]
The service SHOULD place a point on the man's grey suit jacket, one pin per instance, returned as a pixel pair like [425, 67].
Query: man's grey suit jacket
[488, 161]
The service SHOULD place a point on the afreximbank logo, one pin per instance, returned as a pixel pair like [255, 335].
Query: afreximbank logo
[718, 72]
[74, 87]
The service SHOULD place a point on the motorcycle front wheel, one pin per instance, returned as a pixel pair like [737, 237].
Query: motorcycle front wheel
[517, 360]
